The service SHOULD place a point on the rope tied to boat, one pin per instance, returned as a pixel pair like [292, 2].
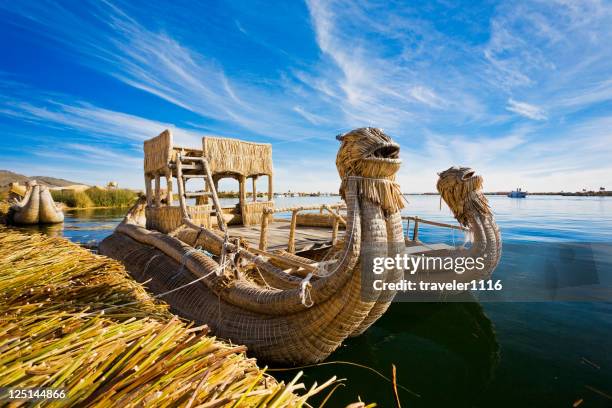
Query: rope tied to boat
[305, 287]
[187, 254]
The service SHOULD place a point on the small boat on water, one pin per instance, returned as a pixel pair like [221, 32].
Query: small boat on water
[518, 193]
[36, 207]
[291, 289]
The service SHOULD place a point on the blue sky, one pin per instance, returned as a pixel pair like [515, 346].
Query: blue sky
[521, 91]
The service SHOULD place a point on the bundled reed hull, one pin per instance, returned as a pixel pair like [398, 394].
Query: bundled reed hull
[272, 320]
[244, 295]
[37, 207]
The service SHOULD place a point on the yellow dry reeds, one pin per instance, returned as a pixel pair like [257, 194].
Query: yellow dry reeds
[166, 219]
[236, 156]
[158, 152]
[4, 209]
[253, 211]
[462, 191]
[74, 320]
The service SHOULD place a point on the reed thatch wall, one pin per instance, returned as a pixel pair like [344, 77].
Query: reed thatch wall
[158, 152]
[253, 211]
[316, 220]
[236, 156]
[76, 321]
[166, 219]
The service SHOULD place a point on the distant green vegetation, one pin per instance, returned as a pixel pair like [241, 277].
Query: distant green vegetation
[95, 197]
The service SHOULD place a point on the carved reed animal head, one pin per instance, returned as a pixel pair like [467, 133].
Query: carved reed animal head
[461, 190]
[367, 152]
[372, 158]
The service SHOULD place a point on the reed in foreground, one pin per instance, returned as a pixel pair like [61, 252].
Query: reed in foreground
[76, 321]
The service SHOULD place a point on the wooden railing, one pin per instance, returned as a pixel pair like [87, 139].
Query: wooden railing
[268, 216]
[417, 221]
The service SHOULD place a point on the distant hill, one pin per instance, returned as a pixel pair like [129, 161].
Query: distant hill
[7, 177]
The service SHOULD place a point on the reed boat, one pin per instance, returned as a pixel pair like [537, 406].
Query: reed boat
[36, 206]
[290, 289]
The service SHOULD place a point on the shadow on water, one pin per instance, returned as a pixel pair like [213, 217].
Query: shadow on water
[445, 352]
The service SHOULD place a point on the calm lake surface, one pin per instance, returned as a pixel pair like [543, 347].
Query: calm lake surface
[547, 351]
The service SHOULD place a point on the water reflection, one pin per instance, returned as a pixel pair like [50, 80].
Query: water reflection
[449, 347]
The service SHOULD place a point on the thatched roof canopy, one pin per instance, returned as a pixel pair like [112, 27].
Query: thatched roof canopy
[232, 156]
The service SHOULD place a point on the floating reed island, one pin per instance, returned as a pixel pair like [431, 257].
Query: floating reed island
[291, 290]
[76, 321]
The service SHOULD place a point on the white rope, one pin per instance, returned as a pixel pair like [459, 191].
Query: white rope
[184, 261]
[149, 263]
[305, 286]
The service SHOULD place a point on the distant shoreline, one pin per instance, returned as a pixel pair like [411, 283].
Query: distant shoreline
[561, 193]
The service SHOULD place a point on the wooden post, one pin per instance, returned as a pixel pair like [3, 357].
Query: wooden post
[217, 204]
[169, 192]
[242, 190]
[407, 238]
[148, 189]
[181, 187]
[216, 183]
[270, 191]
[335, 231]
[157, 191]
[263, 238]
[254, 188]
[291, 245]
[415, 232]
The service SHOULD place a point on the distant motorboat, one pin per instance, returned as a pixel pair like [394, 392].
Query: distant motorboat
[518, 193]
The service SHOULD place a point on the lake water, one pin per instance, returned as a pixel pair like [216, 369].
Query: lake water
[547, 351]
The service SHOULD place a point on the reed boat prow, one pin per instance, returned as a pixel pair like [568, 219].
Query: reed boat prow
[36, 206]
[290, 290]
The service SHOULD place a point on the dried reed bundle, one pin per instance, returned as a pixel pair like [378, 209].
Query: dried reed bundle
[74, 320]
[236, 156]
[373, 158]
[158, 152]
[312, 219]
[4, 209]
[252, 212]
[167, 219]
[461, 189]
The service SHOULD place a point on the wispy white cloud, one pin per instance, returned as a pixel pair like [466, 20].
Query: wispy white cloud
[156, 62]
[525, 109]
[94, 121]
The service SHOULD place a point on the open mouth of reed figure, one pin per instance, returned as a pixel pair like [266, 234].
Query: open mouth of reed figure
[385, 153]
[382, 161]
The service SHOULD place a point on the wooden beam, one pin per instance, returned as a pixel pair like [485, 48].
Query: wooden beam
[148, 189]
[309, 267]
[291, 244]
[435, 223]
[254, 188]
[157, 191]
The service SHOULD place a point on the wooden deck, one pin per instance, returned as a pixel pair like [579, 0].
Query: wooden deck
[278, 235]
